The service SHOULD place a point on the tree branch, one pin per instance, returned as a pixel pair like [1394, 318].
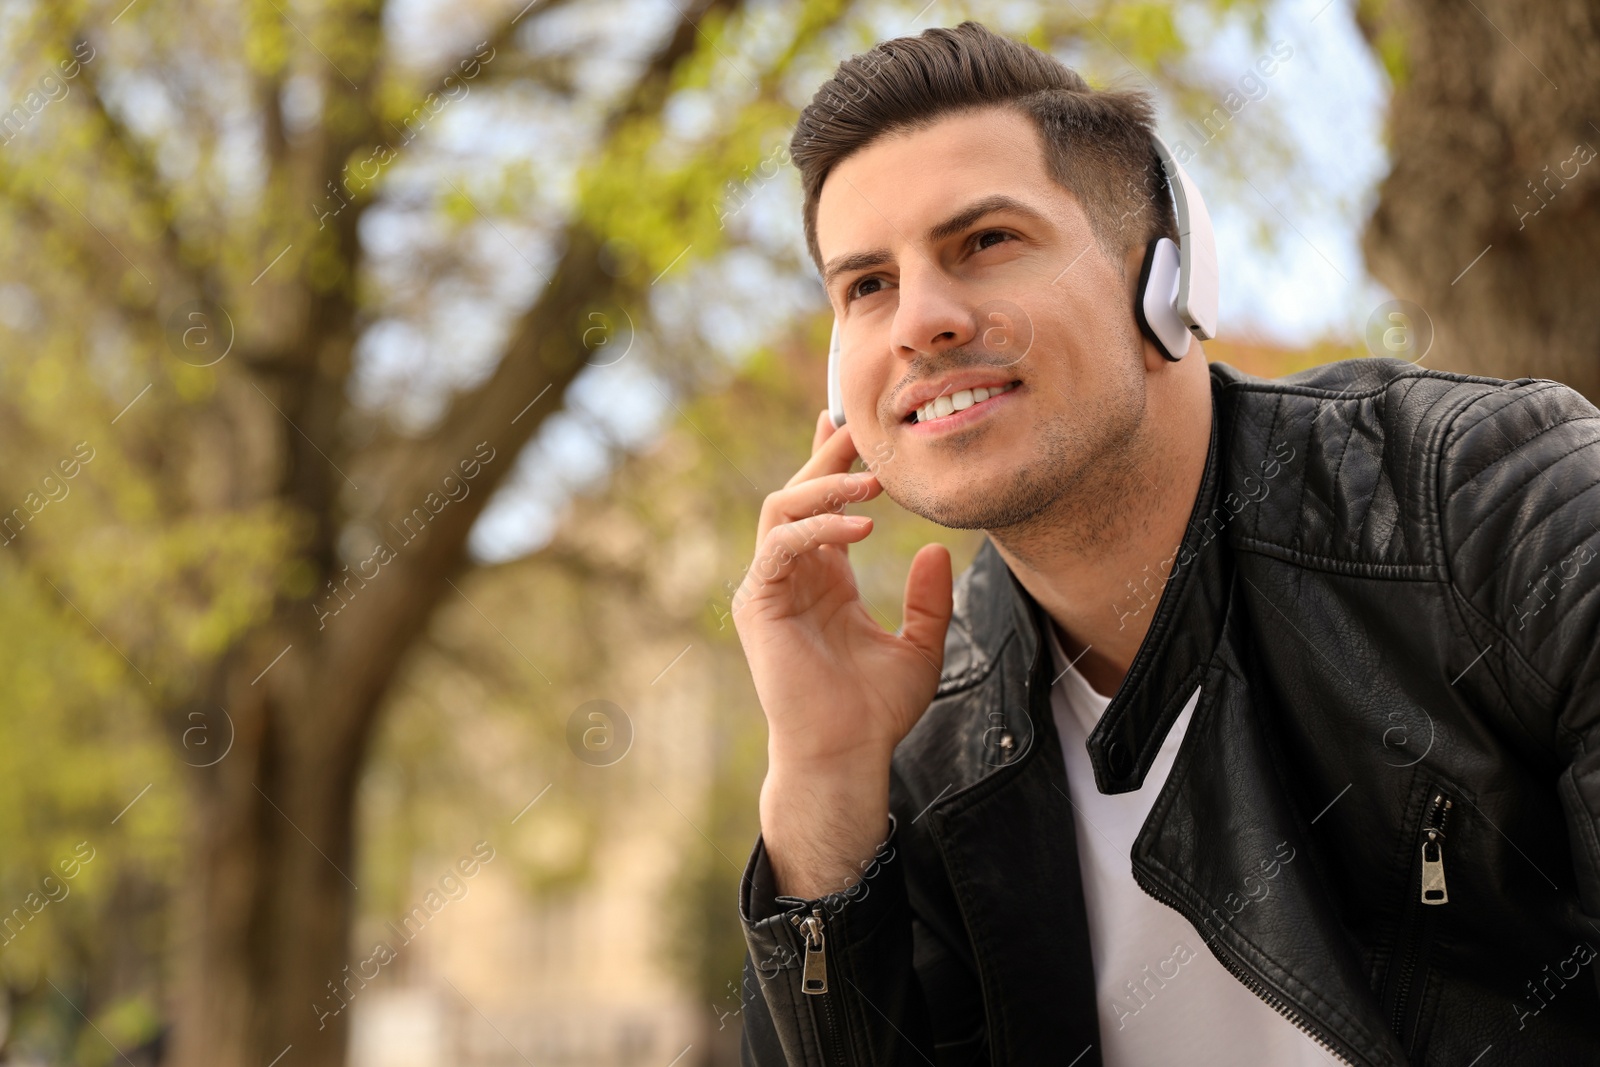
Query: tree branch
[543, 355]
[148, 186]
[499, 38]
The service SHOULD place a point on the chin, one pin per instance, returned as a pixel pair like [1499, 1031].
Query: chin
[992, 498]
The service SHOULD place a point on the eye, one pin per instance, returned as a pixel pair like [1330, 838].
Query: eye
[980, 239]
[856, 290]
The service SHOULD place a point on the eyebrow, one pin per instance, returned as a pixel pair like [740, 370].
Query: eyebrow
[977, 210]
[939, 231]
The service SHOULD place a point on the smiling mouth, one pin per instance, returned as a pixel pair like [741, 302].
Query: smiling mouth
[960, 400]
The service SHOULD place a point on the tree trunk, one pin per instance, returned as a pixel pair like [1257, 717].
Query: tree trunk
[1488, 219]
[264, 927]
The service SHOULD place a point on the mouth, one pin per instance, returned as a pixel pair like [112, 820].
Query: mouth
[950, 409]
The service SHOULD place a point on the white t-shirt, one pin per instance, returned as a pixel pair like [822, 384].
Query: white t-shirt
[1162, 997]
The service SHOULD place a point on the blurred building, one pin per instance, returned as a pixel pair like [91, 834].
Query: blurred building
[573, 976]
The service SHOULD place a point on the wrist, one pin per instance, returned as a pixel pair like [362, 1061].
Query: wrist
[825, 788]
[822, 822]
[865, 761]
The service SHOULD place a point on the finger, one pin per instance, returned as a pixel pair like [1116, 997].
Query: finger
[928, 602]
[825, 430]
[833, 456]
[785, 544]
[831, 492]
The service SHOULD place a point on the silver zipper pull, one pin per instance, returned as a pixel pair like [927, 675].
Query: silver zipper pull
[814, 975]
[1433, 891]
[1433, 888]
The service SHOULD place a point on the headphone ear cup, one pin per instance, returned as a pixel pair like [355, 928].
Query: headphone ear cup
[835, 391]
[1153, 300]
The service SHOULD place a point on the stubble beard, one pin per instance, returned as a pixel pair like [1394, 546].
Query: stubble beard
[1078, 490]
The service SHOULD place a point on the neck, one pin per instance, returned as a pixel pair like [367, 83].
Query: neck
[1096, 559]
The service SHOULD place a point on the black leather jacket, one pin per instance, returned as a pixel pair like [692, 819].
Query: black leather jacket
[1387, 592]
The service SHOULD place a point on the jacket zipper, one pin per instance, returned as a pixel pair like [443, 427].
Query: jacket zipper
[814, 977]
[1433, 887]
[1241, 971]
[1432, 891]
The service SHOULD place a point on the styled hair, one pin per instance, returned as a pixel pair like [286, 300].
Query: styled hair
[1096, 143]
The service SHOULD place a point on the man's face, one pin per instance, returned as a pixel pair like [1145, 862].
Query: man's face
[967, 266]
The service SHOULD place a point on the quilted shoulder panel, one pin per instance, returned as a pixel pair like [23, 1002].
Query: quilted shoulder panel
[1335, 466]
[1519, 487]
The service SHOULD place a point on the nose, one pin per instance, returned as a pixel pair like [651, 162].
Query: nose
[929, 318]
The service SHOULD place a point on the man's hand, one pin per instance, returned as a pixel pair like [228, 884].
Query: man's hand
[839, 692]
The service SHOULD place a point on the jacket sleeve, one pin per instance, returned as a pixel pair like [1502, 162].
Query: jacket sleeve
[1519, 492]
[830, 981]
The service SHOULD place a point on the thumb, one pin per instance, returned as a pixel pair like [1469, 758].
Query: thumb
[928, 603]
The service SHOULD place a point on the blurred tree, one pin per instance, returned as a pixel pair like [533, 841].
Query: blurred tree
[135, 195]
[1488, 218]
[82, 898]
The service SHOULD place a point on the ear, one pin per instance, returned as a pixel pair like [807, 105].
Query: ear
[1133, 266]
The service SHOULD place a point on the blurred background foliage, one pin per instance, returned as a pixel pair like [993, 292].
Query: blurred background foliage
[598, 222]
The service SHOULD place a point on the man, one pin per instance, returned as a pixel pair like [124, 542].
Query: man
[1262, 728]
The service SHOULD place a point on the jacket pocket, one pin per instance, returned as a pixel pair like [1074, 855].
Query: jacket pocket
[1428, 892]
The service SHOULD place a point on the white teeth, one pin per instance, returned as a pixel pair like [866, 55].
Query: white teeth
[960, 400]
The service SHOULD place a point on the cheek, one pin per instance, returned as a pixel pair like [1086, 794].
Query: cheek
[1109, 365]
[877, 458]
[866, 384]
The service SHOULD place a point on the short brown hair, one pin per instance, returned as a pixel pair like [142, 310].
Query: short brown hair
[1096, 143]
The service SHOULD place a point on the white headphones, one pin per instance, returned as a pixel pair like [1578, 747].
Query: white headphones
[1177, 293]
